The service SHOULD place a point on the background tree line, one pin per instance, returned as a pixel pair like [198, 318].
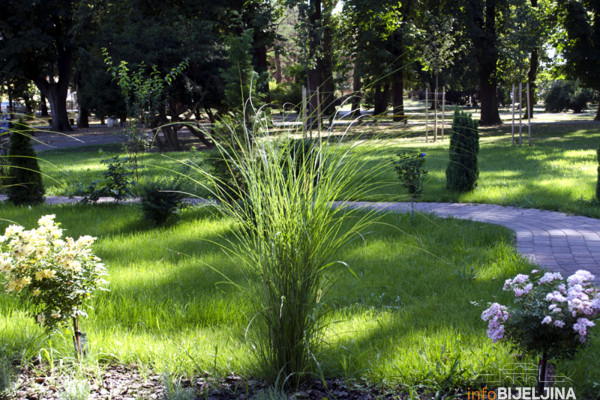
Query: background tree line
[372, 49]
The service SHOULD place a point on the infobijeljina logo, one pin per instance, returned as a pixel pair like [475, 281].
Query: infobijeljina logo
[525, 378]
[522, 393]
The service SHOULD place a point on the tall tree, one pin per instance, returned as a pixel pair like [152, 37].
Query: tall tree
[581, 48]
[37, 41]
[480, 22]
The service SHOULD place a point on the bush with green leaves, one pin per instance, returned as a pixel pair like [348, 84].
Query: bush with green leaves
[160, 199]
[287, 95]
[462, 171]
[52, 275]
[7, 378]
[411, 173]
[24, 182]
[567, 95]
[288, 237]
[117, 182]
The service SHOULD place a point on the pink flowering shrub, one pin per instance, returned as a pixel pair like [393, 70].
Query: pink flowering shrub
[549, 314]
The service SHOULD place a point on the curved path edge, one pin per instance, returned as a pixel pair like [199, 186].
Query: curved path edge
[553, 240]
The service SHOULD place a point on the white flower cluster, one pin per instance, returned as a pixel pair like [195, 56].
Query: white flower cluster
[54, 274]
[572, 304]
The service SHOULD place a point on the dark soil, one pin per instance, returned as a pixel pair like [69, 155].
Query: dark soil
[119, 382]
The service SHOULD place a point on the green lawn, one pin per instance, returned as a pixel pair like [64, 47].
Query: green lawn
[405, 316]
[558, 172]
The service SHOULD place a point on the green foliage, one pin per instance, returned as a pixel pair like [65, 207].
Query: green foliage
[160, 199]
[598, 180]
[174, 390]
[286, 95]
[143, 87]
[7, 378]
[55, 276]
[581, 43]
[24, 180]
[116, 182]
[75, 389]
[411, 173]
[240, 78]
[564, 95]
[462, 170]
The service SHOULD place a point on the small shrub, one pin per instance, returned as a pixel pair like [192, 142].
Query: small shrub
[7, 378]
[598, 181]
[75, 389]
[116, 182]
[160, 199]
[175, 391]
[24, 177]
[287, 94]
[462, 171]
[54, 277]
[558, 97]
[411, 173]
[567, 95]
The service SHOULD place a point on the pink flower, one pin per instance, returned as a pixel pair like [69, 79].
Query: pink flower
[549, 277]
[558, 323]
[581, 328]
[581, 277]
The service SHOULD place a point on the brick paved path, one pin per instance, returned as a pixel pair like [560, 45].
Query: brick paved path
[553, 240]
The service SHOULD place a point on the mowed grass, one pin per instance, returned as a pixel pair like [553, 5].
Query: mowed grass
[558, 172]
[404, 316]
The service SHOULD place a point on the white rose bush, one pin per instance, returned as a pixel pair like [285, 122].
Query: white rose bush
[550, 316]
[52, 275]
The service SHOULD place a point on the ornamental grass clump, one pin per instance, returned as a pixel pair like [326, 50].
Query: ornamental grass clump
[54, 276]
[550, 316]
[288, 235]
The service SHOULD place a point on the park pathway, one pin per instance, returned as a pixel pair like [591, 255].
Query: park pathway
[553, 240]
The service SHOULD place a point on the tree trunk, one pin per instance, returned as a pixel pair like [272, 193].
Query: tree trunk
[58, 109]
[397, 96]
[597, 113]
[83, 120]
[84, 117]
[315, 74]
[382, 96]
[327, 90]
[56, 91]
[356, 88]
[44, 108]
[278, 76]
[488, 59]
[532, 74]
[261, 66]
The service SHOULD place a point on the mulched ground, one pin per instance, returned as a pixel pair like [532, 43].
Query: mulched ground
[119, 382]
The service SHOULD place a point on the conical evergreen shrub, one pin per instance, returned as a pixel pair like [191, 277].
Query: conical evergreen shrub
[462, 171]
[598, 182]
[24, 178]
